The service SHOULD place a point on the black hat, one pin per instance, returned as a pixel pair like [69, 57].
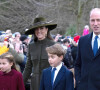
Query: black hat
[23, 37]
[39, 22]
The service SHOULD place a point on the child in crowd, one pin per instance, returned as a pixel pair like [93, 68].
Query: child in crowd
[10, 78]
[56, 77]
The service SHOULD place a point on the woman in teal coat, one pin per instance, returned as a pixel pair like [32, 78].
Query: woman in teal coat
[37, 55]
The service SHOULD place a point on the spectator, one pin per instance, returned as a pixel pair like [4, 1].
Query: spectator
[86, 30]
[68, 59]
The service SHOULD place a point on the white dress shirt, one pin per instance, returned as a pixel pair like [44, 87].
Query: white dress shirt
[93, 38]
[57, 70]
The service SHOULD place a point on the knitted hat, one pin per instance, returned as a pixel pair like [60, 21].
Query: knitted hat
[23, 37]
[76, 38]
[6, 39]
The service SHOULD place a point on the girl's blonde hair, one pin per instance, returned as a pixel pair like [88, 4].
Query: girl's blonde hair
[10, 59]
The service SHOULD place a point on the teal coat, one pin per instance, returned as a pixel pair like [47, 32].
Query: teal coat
[38, 60]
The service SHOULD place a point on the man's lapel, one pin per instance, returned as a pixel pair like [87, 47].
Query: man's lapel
[89, 46]
[59, 76]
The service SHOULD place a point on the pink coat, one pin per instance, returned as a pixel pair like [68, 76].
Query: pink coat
[85, 32]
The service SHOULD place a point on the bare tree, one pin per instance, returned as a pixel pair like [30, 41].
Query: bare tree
[18, 15]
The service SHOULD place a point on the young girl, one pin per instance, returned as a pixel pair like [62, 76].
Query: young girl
[10, 78]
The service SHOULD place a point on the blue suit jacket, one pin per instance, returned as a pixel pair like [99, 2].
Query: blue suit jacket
[87, 67]
[63, 81]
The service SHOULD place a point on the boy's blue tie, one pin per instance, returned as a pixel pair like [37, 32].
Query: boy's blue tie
[95, 47]
[52, 75]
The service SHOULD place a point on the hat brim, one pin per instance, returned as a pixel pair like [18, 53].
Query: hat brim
[31, 30]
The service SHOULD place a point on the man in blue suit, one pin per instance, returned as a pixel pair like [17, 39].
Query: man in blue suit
[61, 78]
[87, 67]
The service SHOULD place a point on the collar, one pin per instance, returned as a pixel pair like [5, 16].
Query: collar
[9, 73]
[42, 41]
[58, 67]
[95, 35]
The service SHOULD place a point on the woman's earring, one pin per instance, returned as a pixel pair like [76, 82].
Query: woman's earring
[46, 35]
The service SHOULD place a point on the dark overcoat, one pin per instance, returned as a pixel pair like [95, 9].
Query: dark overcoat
[87, 67]
[38, 60]
[63, 81]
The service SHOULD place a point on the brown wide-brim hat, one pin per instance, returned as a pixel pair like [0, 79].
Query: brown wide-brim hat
[39, 22]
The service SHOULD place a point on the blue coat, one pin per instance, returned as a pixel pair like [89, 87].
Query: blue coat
[63, 81]
[87, 67]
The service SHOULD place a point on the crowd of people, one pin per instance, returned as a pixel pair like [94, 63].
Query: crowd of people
[38, 60]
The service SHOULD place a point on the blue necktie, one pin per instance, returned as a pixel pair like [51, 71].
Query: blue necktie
[52, 75]
[95, 47]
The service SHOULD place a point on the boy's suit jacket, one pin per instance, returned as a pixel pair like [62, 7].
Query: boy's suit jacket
[87, 67]
[63, 81]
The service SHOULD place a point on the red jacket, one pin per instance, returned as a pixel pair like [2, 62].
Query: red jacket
[11, 81]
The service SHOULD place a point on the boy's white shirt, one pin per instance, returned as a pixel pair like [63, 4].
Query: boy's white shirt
[57, 70]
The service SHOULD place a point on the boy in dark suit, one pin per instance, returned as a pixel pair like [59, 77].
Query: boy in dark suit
[56, 77]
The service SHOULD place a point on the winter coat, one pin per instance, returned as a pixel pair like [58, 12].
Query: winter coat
[38, 60]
